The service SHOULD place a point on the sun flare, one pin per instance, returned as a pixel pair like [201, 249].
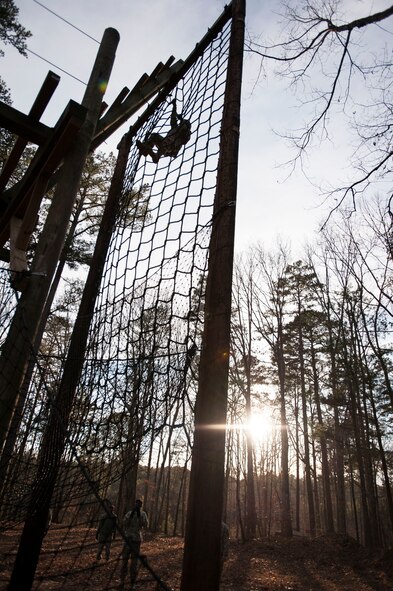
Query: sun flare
[261, 425]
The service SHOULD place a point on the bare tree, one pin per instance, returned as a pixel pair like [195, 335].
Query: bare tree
[269, 324]
[356, 301]
[242, 344]
[322, 55]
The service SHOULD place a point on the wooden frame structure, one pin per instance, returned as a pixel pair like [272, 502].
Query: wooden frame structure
[19, 205]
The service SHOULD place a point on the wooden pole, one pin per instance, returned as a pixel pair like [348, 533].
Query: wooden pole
[54, 438]
[18, 345]
[201, 560]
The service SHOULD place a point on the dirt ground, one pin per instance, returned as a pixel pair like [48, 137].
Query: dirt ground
[325, 564]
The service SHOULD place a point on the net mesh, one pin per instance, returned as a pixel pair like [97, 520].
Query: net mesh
[131, 418]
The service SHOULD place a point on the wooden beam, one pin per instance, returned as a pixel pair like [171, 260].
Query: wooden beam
[46, 160]
[18, 260]
[41, 102]
[44, 95]
[144, 89]
[29, 221]
[20, 124]
[118, 100]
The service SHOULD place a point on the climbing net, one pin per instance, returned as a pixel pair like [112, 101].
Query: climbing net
[130, 427]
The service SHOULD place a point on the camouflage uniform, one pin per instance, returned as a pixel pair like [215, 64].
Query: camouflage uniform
[106, 531]
[170, 144]
[134, 522]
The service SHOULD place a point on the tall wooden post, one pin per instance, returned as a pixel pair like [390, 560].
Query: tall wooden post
[54, 438]
[201, 560]
[18, 345]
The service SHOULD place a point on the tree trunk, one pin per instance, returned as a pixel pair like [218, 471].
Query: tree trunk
[251, 517]
[286, 523]
[316, 489]
[307, 466]
[355, 414]
[333, 343]
[327, 496]
[180, 498]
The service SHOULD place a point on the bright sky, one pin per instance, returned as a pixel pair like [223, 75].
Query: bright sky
[269, 203]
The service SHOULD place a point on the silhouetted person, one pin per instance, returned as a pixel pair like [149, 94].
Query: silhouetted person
[170, 144]
[106, 530]
[133, 523]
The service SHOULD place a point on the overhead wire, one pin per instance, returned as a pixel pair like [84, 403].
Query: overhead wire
[66, 21]
[71, 25]
[55, 66]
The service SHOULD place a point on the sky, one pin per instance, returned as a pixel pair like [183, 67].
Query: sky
[271, 202]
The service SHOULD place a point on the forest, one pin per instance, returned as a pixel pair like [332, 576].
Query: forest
[308, 436]
[309, 407]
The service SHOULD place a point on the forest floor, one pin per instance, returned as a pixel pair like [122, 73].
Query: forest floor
[325, 564]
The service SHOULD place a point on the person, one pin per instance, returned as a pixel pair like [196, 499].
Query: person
[106, 530]
[134, 523]
[170, 144]
[224, 543]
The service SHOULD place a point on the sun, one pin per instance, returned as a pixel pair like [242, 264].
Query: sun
[261, 425]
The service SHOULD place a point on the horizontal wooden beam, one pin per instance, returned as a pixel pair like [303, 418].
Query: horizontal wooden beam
[41, 102]
[15, 201]
[20, 124]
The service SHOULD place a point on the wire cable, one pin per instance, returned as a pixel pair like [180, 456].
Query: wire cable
[54, 65]
[66, 21]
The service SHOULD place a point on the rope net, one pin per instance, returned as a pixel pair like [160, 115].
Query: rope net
[129, 432]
